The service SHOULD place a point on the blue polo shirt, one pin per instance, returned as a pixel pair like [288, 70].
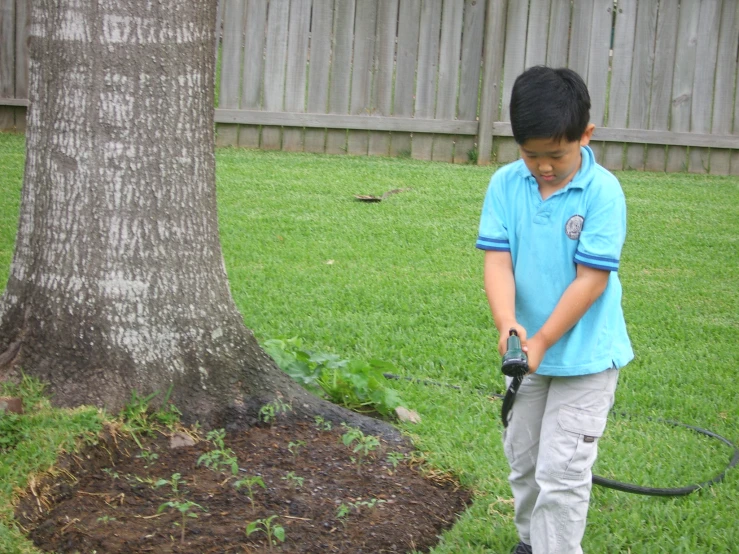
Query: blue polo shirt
[583, 223]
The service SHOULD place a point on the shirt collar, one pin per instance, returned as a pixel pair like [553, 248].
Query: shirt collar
[582, 178]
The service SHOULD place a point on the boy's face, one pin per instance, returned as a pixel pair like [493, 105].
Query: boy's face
[554, 163]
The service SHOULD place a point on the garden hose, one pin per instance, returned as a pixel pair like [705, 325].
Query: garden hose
[597, 479]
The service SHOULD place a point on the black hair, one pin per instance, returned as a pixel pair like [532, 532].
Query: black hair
[549, 103]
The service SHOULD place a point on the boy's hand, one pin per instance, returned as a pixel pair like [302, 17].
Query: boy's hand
[535, 348]
[504, 332]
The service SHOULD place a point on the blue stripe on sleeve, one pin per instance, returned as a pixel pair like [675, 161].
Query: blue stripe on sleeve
[485, 243]
[597, 262]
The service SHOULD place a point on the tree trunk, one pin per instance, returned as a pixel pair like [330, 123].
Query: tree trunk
[117, 282]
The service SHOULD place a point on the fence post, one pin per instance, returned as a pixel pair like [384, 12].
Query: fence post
[494, 41]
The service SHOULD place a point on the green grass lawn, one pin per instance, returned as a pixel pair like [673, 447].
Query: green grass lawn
[401, 281]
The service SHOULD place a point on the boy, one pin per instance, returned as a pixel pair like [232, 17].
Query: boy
[552, 227]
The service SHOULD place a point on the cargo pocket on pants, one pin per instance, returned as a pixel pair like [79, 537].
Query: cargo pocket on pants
[575, 444]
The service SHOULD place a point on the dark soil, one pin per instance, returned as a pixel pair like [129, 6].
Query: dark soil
[105, 500]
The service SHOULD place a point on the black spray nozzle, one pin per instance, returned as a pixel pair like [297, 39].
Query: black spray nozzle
[515, 361]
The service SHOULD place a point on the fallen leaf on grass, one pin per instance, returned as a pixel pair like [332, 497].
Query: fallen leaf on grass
[404, 414]
[372, 198]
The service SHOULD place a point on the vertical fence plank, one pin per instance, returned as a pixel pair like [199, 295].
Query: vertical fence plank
[682, 85]
[233, 28]
[641, 76]
[703, 83]
[513, 64]
[318, 76]
[662, 76]
[735, 153]
[446, 101]
[582, 40]
[365, 28]
[409, 15]
[340, 72]
[295, 77]
[598, 64]
[7, 61]
[582, 21]
[275, 60]
[469, 86]
[382, 85]
[559, 33]
[253, 81]
[618, 102]
[726, 67]
[538, 33]
[23, 27]
[428, 63]
[492, 76]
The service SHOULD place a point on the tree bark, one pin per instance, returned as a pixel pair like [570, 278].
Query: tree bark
[118, 282]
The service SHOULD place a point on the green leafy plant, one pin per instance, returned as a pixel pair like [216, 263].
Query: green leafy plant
[322, 424]
[111, 472]
[394, 458]
[250, 483]
[269, 412]
[220, 457]
[135, 413]
[345, 510]
[11, 430]
[175, 481]
[342, 511]
[184, 507]
[356, 384]
[295, 447]
[295, 480]
[362, 445]
[148, 456]
[31, 390]
[140, 418]
[272, 530]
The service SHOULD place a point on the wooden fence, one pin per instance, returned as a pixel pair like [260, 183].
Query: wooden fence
[432, 79]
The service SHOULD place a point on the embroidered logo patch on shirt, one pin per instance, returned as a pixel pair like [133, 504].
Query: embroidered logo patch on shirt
[573, 227]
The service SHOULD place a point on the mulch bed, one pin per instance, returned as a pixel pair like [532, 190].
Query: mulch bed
[106, 501]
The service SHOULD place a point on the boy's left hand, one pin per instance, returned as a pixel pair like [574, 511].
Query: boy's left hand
[535, 348]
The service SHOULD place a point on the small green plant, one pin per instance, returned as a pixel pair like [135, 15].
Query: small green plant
[221, 457]
[295, 448]
[168, 415]
[295, 480]
[322, 424]
[105, 519]
[269, 412]
[472, 156]
[139, 417]
[250, 483]
[148, 456]
[272, 530]
[184, 508]
[362, 445]
[175, 481]
[342, 511]
[135, 414]
[394, 458]
[345, 509]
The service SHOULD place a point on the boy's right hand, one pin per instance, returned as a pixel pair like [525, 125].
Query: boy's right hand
[503, 341]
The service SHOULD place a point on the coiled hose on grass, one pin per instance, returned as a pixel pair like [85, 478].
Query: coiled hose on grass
[629, 487]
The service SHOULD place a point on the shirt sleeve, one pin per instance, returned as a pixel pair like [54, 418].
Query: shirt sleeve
[493, 233]
[604, 230]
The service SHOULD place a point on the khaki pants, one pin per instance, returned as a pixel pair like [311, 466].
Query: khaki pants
[551, 444]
